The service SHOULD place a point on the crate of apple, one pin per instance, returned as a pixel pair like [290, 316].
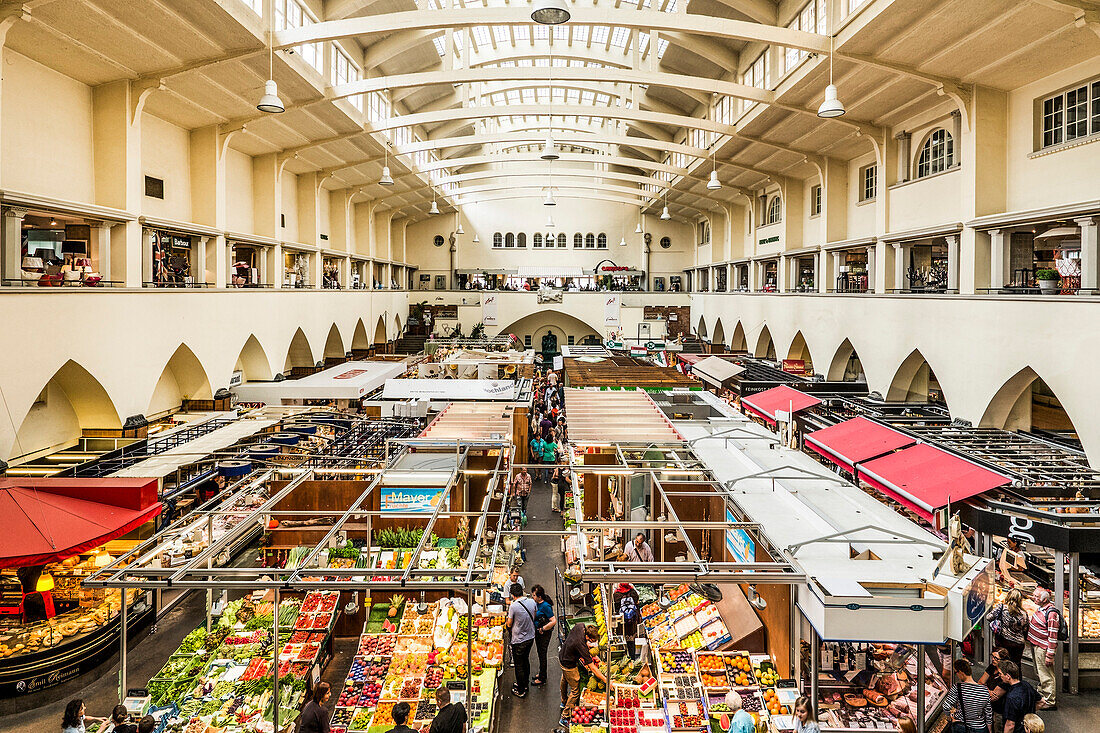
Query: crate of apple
[433, 678]
[369, 695]
[586, 716]
[377, 644]
[349, 696]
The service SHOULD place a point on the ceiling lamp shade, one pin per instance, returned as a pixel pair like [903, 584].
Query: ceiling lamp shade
[435, 208]
[665, 216]
[638, 228]
[550, 12]
[622, 242]
[549, 221]
[270, 101]
[548, 151]
[831, 107]
[714, 184]
[386, 179]
[459, 230]
[550, 199]
[476, 239]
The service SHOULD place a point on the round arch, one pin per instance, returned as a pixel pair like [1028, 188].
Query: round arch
[719, 333]
[71, 401]
[253, 361]
[183, 378]
[334, 344]
[799, 350]
[1026, 402]
[915, 381]
[561, 324]
[845, 365]
[739, 342]
[300, 353]
[765, 347]
[359, 340]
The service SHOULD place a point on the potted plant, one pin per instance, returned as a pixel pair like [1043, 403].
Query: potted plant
[1047, 279]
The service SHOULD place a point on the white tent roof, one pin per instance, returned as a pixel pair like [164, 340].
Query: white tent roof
[349, 381]
[450, 389]
[716, 370]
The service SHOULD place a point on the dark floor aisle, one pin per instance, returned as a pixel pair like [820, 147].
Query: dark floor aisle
[540, 710]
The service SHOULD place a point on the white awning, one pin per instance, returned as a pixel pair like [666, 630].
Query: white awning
[450, 389]
[349, 381]
[550, 271]
[716, 371]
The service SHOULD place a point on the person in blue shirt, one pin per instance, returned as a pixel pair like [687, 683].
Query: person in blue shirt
[545, 622]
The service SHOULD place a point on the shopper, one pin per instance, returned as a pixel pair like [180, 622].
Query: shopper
[1042, 641]
[993, 682]
[120, 720]
[563, 483]
[625, 600]
[536, 455]
[521, 488]
[400, 715]
[741, 722]
[967, 702]
[805, 721]
[545, 623]
[1033, 724]
[315, 718]
[521, 628]
[450, 716]
[1009, 623]
[1021, 698]
[639, 550]
[906, 725]
[73, 720]
[573, 655]
[148, 724]
[549, 451]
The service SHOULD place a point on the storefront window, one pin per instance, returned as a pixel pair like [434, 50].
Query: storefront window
[770, 281]
[330, 273]
[56, 252]
[927, 270]
[720, 274]
[172, 260]
[852, 275]
[295, 269]
[805, 281]
[743, 278]
[245, 271]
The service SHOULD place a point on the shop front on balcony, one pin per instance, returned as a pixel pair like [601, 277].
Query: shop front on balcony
[801, 268]
[768, 279]
[248, 264]
[926, 261]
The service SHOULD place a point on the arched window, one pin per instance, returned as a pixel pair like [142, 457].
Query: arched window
[521, 240]
[775, 211]
[601, 241]
[704, 233]
[578, 240]
[498, 240]
[549, 239]
[562, 239]
[536, 241]
[509, 240]
[589, 241]
[937, 153]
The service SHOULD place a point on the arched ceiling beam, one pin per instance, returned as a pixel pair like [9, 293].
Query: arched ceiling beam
[644, 20]
[761, 11]
[560, 173]
[519, 55]
[337, 9]
[585, 196]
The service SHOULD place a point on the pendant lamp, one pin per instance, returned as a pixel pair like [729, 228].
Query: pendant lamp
[270, 101]
[713, 184]
[548, 150]
[458, 218]
[549, 221]
[435, 208]
[638, 229]
[550, 12]
[832, 106]
[386, 179]
[550, 198]
[665, 216]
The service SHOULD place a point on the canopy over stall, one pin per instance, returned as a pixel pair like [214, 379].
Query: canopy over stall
[855, 441]
[472, 421]
[716, 371]
[51, 519]
[349, 381]
[768, 403]
[925, 478]
[451, 389]
[597, 416]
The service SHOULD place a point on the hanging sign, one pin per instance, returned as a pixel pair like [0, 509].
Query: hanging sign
[404, 499]
[611, 311]
[489, 310]
[739, 542]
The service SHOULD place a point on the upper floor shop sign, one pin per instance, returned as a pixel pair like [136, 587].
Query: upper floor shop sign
[770, 240]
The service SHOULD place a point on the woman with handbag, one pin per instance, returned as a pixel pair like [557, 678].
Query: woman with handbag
[968, 702]
[1009, 621]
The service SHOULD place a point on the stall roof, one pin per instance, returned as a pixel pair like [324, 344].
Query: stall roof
[472, 421]
[855, 441]
[778, 399]
[50, 519]
[926, 478]
[598, 416]
[715, 370]
[165, 463]
[349, 381]
[616, 371]
[451, 389]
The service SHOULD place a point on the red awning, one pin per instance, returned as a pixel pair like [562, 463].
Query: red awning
[48, 520]
[781, 398]
[855, 441]
[926, 478]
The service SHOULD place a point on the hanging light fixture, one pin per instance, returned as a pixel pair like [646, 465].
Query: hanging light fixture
[713, 184]
[548, 151]
[832, 106]
[476, 239]
[549, 221]
[550, 12]
[435, 206]
[386, 179]
[270, 101]
[622, 239]
[458, 218]
[549, 198]
[665, 216]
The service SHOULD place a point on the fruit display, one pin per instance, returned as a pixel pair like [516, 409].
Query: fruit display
[740, 670]
[586, 716]
[771, 702]
[677, 662]
[765, 672]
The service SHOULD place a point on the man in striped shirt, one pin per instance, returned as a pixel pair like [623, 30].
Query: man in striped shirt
[1042, 640]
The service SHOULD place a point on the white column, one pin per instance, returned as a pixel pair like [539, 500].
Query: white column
[834, 274]
[781, 275]
[901, 260]
[1090, 253]
[999, 258]
[871, 280]
[199, 266]
[952, 261]
[12, 263]
[99, 249]
[904, 139]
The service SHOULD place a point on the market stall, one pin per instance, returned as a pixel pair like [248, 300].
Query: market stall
[342, 386]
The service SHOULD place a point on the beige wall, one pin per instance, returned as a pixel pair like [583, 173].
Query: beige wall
[45, 131]
[238, 192]
[165, 154]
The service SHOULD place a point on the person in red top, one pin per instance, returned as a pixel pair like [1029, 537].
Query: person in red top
[521, 487]
[1042, 640]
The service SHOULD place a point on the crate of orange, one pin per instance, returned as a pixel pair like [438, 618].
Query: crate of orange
[712, 671]
[771, 702]
[739, 669]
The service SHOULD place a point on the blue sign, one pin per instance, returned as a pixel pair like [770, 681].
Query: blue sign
[739, 542]
[410, 500]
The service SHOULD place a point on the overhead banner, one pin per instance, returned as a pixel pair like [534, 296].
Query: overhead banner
[739, 543]
[489, 310]
[611, 311]
[406, 499]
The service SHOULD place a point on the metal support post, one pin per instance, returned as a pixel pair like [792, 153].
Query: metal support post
[922, 666]
[815, 663]
[275, 664]
[605, 601]
[209, 591]
[1074, 622]
[122, 648]
[1059, 601]
[469, 650]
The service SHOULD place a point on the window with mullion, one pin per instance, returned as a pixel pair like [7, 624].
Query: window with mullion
[1077, 113]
